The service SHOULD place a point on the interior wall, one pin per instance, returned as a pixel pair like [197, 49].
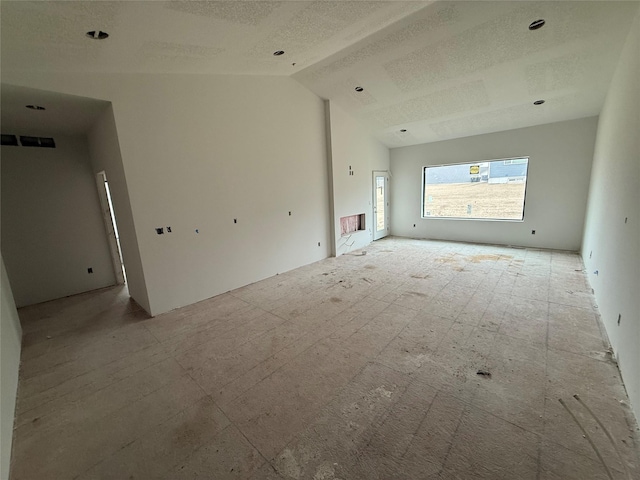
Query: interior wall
[104, 149]
[222, 161]
[612, 227]
[352, 146]
[199, 151]
[52, 226]
[560, 156]
[10, 345]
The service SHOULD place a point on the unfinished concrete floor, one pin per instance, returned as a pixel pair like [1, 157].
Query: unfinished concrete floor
[360, 367]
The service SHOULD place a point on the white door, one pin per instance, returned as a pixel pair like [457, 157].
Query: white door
[380, 204]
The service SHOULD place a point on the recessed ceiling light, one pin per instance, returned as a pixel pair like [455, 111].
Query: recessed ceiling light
[35, 107]
[97, 35]
[538, 102]
[278, 53]
[537, 24]
[359, 89]
[403, 130]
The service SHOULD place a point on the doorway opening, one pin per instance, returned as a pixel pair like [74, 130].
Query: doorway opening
[380, 204]
[113, 237]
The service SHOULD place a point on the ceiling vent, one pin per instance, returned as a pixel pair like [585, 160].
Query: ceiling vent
[43, 142]
[9, 140]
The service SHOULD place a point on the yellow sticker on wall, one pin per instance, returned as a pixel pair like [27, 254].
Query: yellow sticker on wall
[474, 169]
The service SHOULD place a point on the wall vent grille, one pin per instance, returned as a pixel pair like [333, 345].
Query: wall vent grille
[43, 142]
[27, 141]
[9, 140]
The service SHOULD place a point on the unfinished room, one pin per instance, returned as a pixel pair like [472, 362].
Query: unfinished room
[320, 240]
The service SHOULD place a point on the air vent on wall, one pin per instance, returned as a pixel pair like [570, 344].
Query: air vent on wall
[9, 140]
[43, 142]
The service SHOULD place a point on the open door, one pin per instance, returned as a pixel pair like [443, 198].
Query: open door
[380, 205]
[111, 227]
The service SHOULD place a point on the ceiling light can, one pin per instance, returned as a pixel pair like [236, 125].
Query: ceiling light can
[277, 53]
[359, 89]
[97, 35]
[535, 25]
[538, 102]
[35, 107]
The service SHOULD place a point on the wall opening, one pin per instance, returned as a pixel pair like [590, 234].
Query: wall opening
[351, 224]
[111, 226]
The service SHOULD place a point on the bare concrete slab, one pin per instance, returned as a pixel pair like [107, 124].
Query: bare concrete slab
[420, 359]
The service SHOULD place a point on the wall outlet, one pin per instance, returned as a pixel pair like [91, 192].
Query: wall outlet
[235, 220]
[318, 243]
[533, 232]
[159, 230]
[619, 318]
[90, 270]
[168, 229]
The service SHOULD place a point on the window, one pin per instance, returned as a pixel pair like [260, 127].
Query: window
[493, 190]
[515, 161]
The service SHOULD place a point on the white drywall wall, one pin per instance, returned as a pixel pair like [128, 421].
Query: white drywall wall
[104, 150]
[197, 152]
[10, 343]
[203, 151]
[52, 227]
[612, 227]
[560, 156]
[352, 146]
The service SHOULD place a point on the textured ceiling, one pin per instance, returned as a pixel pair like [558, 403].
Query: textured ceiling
[224, 37]
[456, 69]
[440, 70]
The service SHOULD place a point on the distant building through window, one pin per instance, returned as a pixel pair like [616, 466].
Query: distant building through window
[487, 190]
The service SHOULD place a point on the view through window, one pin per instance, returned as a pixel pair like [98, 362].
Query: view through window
[491, 190]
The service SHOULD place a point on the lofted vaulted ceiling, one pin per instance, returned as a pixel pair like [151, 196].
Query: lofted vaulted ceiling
[438, 70]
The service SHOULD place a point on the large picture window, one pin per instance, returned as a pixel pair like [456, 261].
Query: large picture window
[489, 190]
